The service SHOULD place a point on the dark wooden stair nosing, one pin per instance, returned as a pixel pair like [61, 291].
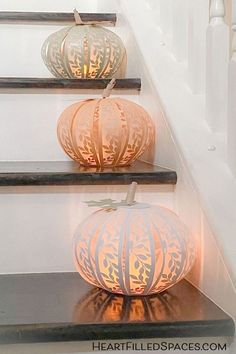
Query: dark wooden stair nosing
[63, 18]
[70, 173]
[67, 84]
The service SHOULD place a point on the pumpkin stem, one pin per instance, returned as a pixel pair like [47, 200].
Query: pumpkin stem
[131, 193]
[109, 88]
[78, 19]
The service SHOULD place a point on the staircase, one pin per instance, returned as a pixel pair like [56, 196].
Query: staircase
[43, 193]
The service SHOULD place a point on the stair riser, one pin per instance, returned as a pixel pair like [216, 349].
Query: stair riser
[38, 223]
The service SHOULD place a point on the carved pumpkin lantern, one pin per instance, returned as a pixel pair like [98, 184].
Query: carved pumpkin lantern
[133, 249]
[105, 132]
[84, 51]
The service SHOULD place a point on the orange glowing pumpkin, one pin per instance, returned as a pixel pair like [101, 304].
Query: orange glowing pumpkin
[105, 132]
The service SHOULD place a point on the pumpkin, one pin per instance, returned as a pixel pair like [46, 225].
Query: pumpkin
[105, 132]
[84, 51]
[137, 249]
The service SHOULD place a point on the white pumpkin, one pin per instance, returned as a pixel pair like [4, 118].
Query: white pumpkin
[133, 250]
[85, 51]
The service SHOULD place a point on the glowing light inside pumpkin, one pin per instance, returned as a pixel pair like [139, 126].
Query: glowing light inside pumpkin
[85, 70]
[134, 250]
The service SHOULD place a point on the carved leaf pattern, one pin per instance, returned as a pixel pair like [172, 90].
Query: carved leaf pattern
[134, 250]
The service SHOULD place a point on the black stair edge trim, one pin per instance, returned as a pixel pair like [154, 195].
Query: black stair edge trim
[68, 332]
[106, 19]
[140, 172]
[67, 84]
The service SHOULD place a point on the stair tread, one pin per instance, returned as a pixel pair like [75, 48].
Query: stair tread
[106, 19]
[71, 173]
[63, 307]
[67, 84]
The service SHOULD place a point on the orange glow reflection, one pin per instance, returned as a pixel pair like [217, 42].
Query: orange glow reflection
[100, 306]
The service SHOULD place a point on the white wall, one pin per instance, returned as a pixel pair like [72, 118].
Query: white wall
[47, 5]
